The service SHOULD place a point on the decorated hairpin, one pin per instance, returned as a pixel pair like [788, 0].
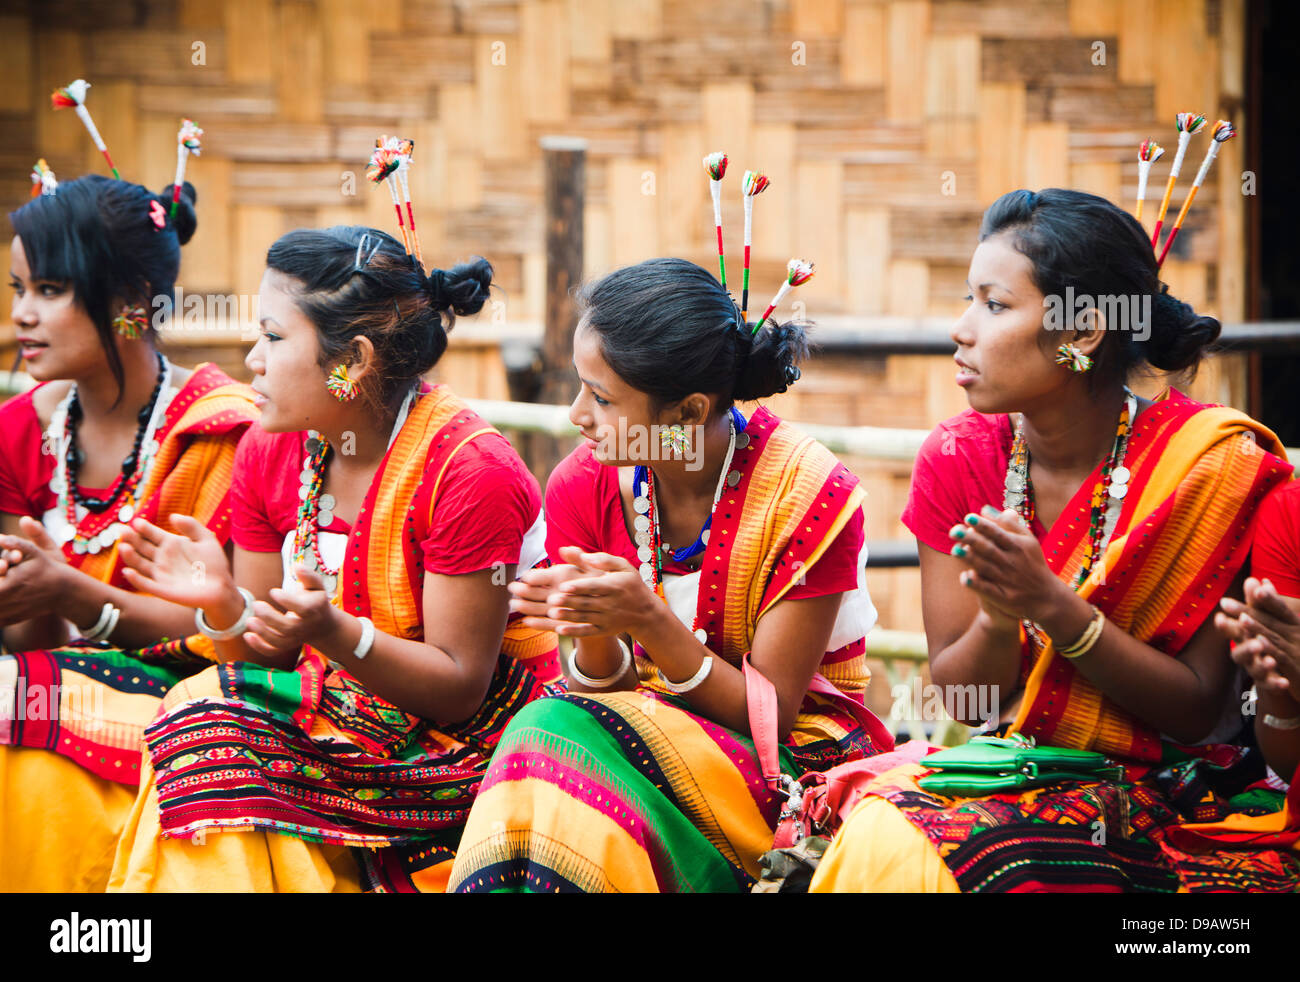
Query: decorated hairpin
[43, 179]
[753, 183]
[1187, 123]
[1148, 153]
[1223, 132]
[384, 164]
[74, 97]
[404, 149]
[797, 273]
[715, 165]
[188, 138]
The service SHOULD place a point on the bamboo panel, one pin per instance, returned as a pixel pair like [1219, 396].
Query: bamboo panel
[1001, 139]
[17, 68]
[1001, 18]
[862, 47]
[252, 39]
[908, 26]
[867, 261]
[886, 126]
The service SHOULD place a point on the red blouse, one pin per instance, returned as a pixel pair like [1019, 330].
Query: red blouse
[25, 471]
[486, 503]
[1276, 552]
[960, 468]
[584, 509]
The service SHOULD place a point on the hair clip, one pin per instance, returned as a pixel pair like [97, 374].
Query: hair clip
[358, 264]
[158, 214]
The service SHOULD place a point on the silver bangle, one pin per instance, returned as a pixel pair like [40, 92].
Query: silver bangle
[108, 616]
[1282, 722]
[235, 629]
[608, 681]
[367, 638]
[700, 675]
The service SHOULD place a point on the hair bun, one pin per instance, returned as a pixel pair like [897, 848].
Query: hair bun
[770, 365]
[1179, 336]
[463, 289]
[186, 221]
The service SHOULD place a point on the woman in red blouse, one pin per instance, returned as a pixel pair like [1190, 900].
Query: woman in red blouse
[112, 429]
[367, 666]
[694, 548]
[1266, 629]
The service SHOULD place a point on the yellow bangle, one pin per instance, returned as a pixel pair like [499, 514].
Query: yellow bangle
[1088, 639]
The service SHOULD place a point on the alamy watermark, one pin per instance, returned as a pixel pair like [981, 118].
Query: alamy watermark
[1119, 312]
[650, 443]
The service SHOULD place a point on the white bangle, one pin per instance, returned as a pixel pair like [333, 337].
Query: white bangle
[367, 638]
[235, 629]
[1282, 722]
[700, 675]
[608, 681]
[108, 615]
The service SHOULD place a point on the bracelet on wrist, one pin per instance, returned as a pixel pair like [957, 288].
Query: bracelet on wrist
[108, 616]
[609, 680]
[1088, 639]
[701, 673]
[367, 639]
[1282, 722]
[235, 629]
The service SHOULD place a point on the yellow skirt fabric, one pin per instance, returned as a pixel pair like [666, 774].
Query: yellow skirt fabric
[223, 862]
[879, 851]
[59, 824]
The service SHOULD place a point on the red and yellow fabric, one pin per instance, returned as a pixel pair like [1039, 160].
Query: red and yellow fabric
[632, 791]
[105, 696]
[1198, 476]
[260, 754]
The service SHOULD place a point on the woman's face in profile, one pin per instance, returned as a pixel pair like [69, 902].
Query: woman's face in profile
[1004, 361]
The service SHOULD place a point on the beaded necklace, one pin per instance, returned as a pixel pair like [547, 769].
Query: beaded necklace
[64, 482]
[1107, 494]
[648, 535]
[317, 509]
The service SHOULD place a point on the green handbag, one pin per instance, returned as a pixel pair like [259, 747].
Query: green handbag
[989, 764]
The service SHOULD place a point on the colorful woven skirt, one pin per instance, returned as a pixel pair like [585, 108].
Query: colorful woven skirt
[626, 792]
[1108, 837]
[309, 754]
[72, 721]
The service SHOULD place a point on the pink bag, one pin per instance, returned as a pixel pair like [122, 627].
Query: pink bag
[820, 801]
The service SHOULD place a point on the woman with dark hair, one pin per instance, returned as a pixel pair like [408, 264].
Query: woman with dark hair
[719, 547]
[367, 666]
[113, 430]
[1075, 542]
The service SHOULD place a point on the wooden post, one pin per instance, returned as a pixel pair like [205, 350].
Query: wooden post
[565, 162]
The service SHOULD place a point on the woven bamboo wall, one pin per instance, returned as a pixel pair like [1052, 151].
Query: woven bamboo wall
[886, 126]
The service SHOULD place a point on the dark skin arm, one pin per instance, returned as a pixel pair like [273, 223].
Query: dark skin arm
[610, 599]
[1266, 629]
[1003, 566]
[38, 589]
[444, 677]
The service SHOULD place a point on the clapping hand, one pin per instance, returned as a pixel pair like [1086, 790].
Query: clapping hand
[298, 615]
[593, 594]
[189, 569]
[1266, 635]
[1005, 567]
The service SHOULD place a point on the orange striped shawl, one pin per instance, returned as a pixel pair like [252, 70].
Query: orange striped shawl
[792, 500]
[382, 575]
[1198, 475]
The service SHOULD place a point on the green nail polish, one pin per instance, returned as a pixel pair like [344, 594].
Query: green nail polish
[959, 533]
[972, 519]
[959, 551]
